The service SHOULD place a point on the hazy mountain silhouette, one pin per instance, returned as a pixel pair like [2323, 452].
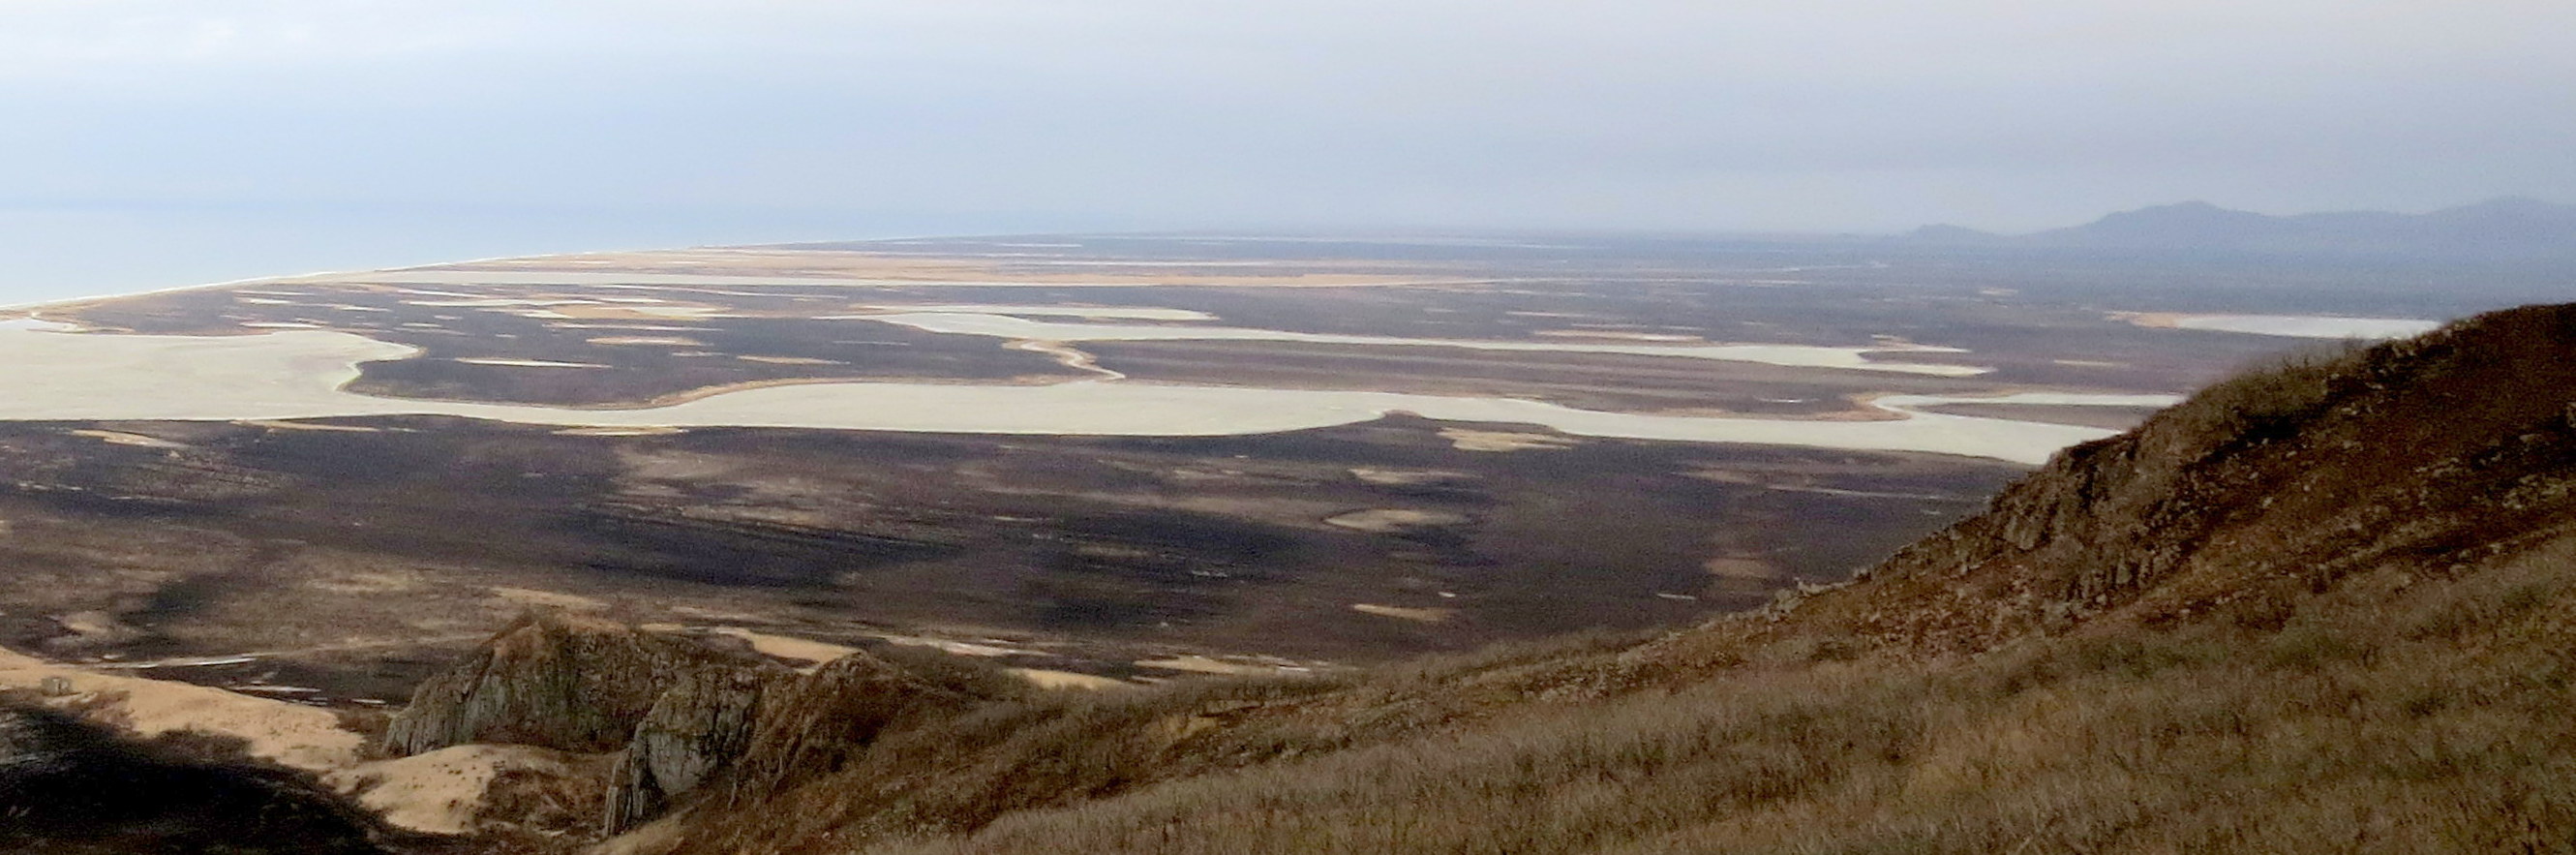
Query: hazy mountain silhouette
[2508, 227]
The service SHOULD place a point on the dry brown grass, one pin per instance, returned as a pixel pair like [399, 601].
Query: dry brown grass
[2268, 399]
[2322, 608]
[2397, 713]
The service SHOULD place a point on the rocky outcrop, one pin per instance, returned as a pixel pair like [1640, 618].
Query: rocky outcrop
[823, 720]
[2265, 487]
[555, 680]
[680, 713]
[695, 731]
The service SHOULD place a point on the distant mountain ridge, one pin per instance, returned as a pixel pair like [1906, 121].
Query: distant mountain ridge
[2513, 227]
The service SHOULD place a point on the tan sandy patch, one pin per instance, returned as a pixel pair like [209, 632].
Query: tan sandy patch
[526, 363]
[1619, 335]
[1400, 612]
[439, 792]
[786, 647]
[1409, 477]
[293, 735]
[369, 583]
[549, 599]
[134, 439]
[1493, 440]
[987, 648]
[620, 431]
[1045, 679]
[1197, 664]
[791, 360]
[279, 424]
[1394, 520]
[634, 312]
[668, 340]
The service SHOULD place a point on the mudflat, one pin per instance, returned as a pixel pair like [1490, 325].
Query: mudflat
[1151, 458]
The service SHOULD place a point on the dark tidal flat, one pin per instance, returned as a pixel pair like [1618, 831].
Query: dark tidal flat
[346, 556]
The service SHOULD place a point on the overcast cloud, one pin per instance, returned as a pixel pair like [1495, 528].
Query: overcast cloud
[355, 132]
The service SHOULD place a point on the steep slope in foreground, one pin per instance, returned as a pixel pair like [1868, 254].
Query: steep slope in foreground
[2325, 607]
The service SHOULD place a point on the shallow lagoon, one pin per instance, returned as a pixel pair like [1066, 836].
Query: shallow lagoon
[302, 374]
[2309, 326]
[1795, 355]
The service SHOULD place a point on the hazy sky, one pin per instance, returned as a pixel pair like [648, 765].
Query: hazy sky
[320, 133]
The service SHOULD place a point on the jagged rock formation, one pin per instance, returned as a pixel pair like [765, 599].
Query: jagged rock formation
[697, 729]
[821, 722]
[762, 729]
[554, 680]
[679, 713]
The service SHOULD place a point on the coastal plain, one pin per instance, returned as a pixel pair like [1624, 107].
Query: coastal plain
[1126, 458]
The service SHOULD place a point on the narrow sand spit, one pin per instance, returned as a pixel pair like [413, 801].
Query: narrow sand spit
[1402, 613]
[525, 363]
[1197, 664]
[987, 648]
[942, 276]
[314, 426]
[2290, 326]
[790, 360]
[2309, 326]
[1085, 312]
[668, 340]
[134, 439]
[1410, 477]
[1793, 355]
[1394, 520]
[1465, 439]
[1045, 679]
[633, 431]
[815, 653]
[1620, 335]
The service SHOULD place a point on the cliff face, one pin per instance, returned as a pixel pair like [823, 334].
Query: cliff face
[679, 714]
[696, 730]
[553, 680]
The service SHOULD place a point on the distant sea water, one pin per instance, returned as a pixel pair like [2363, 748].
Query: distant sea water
[70, 252]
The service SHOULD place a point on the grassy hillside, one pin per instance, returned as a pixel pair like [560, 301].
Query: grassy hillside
[2324, 607]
